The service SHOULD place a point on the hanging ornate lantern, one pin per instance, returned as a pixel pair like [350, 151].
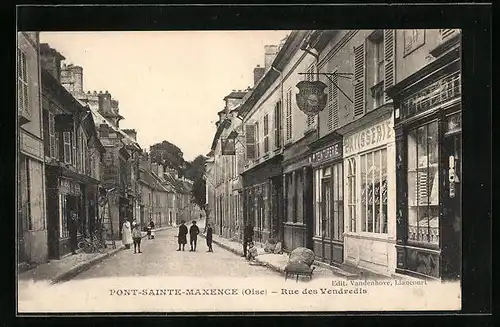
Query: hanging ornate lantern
[311, 98]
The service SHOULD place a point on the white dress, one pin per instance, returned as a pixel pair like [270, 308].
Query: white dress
[126, 233]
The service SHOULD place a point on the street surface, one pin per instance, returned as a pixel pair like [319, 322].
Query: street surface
[160, 258]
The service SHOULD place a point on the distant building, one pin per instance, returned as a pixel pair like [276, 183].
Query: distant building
[120, 164]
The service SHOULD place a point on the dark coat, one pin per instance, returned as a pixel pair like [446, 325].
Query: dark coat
[152, 224]
[248, 233]
[209, 234]
[194, 231]
[183, 230]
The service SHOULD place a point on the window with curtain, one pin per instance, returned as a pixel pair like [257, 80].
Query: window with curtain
[22, 82]
[68, 155]
[338, 203]
[374, 191]
[327, 203]
[352, 193]
[423, 184]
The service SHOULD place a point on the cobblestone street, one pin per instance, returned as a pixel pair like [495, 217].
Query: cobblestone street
[160, 258]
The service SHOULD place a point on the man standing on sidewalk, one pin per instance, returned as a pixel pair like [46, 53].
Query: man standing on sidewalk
[193, 235]
[247, 237]
[73, 231]
[181, 237]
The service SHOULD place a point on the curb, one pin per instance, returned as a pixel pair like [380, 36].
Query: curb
[67, 275]
[240, 252]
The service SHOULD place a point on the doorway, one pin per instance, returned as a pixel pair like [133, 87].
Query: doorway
[452, 243]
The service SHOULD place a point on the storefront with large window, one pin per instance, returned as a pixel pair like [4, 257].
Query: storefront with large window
[369, 193]
[326, 160]
[429, 156]
[261, 195]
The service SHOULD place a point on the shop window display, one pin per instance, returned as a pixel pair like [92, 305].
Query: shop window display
[423, 184]
[374, 191]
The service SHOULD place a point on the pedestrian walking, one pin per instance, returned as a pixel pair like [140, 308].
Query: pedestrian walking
[151, 229]
[247, 237]
[73, 231]
[209, 232]
[136, 236]
[127, 234]
[193, 235]
[181, 237]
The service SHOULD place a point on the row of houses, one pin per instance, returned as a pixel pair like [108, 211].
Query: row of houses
[74, 159]
[370, 179]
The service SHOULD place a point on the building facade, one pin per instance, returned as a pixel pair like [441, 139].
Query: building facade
[225, 170]
[71, 151]
[427, 99]
[31, 212]
[120, 163]
[354, 156]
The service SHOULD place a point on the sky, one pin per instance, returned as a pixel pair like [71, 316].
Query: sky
[169, 84]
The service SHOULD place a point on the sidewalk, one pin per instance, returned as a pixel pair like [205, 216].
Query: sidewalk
[276, 262]
[69, 266]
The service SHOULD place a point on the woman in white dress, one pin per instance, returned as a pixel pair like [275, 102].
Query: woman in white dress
[127, 234]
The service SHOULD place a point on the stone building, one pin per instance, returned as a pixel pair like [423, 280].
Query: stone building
[31, 222]
[120, 164]
[72, 159]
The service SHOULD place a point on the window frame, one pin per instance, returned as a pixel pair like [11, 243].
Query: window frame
[23, 82]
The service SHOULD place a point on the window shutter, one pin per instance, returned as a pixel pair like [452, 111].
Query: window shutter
[266, 133]
[390, 64]
[73, 145]
[289, 114]
[359, 80]
[333, 103]
[276, 126]
[250, 141]
[311, 78]
[52, 136]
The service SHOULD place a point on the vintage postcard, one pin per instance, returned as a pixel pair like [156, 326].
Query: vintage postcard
[239, 171]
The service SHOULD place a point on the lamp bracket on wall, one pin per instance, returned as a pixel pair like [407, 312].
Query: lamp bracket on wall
[328, 75]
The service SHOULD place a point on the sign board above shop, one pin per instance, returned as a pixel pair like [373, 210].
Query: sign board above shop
[330, 153]
[370, 137]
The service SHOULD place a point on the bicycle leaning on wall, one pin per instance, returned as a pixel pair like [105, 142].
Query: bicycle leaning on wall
[91, 244]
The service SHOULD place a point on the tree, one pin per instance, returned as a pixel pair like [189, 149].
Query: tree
[196, 172]
[169, 155]
[196, 168]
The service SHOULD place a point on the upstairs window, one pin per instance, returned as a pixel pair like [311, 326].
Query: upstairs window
[278, 126]
[288, 112]
[22, 82]
[266, 133]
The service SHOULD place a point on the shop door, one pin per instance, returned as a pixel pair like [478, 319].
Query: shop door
[326, 216]
[452, 229]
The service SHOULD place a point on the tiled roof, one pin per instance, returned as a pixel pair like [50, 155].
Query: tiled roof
[149, 179]
[99, 119]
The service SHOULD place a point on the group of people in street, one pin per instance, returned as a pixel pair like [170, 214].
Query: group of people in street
[131, 234]
[193, 236]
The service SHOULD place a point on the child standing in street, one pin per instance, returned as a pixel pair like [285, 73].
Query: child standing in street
[137, 236]
[209, 233]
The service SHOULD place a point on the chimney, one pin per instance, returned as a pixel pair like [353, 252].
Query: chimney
[258, 72]
[77, 75]
[51, 60]
[160, 171]
[154, 168]
[104, 103]
[270, 52]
